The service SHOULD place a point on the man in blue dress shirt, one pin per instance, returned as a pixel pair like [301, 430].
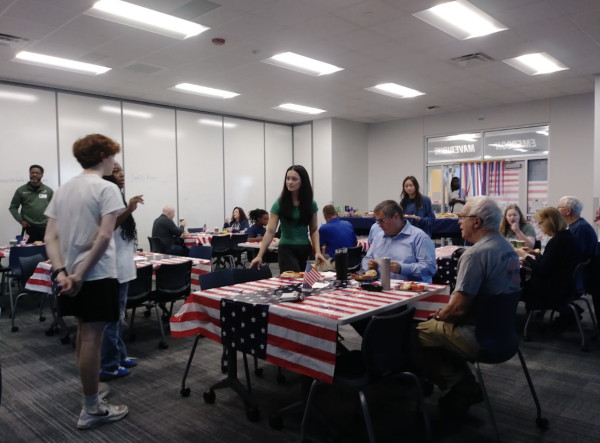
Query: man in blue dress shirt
[411, 251]
[336, 234]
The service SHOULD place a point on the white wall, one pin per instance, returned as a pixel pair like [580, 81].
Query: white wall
[303, 143]
[597, 145]
[278, 157]
[322, 152]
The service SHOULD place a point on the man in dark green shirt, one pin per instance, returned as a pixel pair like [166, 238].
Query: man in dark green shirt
[33, 198]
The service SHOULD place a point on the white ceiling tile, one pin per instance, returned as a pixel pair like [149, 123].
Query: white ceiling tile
[577, 89]
[41, 12]
[76, 5]
[348, 60]
[330, 5]
[166, 58]
[451, 50]
[400, 27]
[244, 73]
[244, 5]
[531, 13]
[493, 6]
[246, 28]
[573, 7]
[410, 60]
[497, 39]
[325, 26]
[76, 39]
[369, 13]
[147, 40]
[587, 19]
[87, 24]
[6, 74]
[511, 51]
[219, 16]
[563, 40]
[123, 50]
[384, 51]
[593, 33]
[545, 28]
[159, 5]
[24, 28]
[357, 40]
[412, 6]
[288, 12]
[54, 50]
[428, 39]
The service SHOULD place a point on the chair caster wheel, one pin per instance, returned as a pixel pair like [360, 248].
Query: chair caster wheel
[14, 329]
[585, 348]
[258, 372]
[276, 422]
[132, 337]
[49, 332]
[253, 414]
[185, 392]
[526, 338]
[65, 340]
[281, 379]
[147, 313]
[163, 345]
[209, 397]
[541, 423]
[42, 319]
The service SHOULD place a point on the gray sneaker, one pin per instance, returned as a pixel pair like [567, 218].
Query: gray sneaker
[103, 390]
[104, 414]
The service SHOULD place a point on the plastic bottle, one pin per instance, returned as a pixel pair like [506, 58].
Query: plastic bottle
[204, 229]
[385, 273]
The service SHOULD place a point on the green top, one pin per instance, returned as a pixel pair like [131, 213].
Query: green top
[526, 229]
[33, 203]
[292, 232]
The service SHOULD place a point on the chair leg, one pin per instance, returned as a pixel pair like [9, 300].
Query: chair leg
[247, 370]
[185, 392]
[487, 402]
[420, 402]
[541, 422]
[526, 337]
[42, 302]
[592, 316]
[368, 423]
[309, 401]
[224, 360]
[12, 309]
[584, 345]
[161, 344]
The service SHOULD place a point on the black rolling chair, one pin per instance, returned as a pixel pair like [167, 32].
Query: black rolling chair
[138, 294]
[156, 245]
[248, 275]
[203, 252]
[221, 250]
[236, 250]
[497, 318]
[383, 356]
[14, 264]
[26, 270]
[173, 282]
[193, 230]
[354, 258]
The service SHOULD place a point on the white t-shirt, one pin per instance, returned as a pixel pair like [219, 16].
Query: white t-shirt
[78, 206]
[457, 206]
[126, 270]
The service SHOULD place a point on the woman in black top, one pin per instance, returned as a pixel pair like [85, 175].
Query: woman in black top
[238, 221]
[550, 283]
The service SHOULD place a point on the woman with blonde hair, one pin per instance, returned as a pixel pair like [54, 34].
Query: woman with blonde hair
[515, 227]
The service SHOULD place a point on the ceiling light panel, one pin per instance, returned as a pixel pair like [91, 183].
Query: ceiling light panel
[394, 90]
[291, 107]
[146, 19]
[47, 61]
[535, 64]
[203, 90]
[460, 19]
[299, 63]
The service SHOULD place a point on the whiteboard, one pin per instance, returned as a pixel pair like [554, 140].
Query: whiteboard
[278, 157]
[303, 147]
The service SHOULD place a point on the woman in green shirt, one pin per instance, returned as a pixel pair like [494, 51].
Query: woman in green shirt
[514, 227]
[297, 212]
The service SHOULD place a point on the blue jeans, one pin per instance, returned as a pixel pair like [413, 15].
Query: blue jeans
[113, 347]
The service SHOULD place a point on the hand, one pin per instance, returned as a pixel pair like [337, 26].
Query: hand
[275, 240]
[319, 259]
[24, 224]
[515, 228]
[417, 218]
[256, 263]
[134, 201]
[183, 223]
[395, 267]
[227, 220]
[530, 251]
[229, 229]
[522, 253]
[71, 285]
[372, 264]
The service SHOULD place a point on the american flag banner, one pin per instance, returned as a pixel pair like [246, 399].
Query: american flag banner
[311, 276]
[244, 327]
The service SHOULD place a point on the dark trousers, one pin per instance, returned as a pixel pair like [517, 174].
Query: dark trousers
[178, 250]
[294, 257]
[35, 233]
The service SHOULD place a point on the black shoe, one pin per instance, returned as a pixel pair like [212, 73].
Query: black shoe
[456, 403]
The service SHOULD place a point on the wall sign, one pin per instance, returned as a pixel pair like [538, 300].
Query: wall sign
[461, 147]
[516, 142]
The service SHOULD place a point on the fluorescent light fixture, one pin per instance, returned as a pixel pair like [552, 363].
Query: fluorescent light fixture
[299, 109]
[299, 63]
[534, 64]
[47, 61]
[117, 110]
[544, 152]
[542, 132]
[6, 95]
[206, 121]
[146, 19]
[394, 90]
[460, 19]
[203, 90]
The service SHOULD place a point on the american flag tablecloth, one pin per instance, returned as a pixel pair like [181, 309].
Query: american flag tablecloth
[363, 243]
[302, 336]
[198, 239]
[40, 280]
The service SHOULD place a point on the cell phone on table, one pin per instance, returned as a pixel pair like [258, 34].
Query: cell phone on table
[371, 287]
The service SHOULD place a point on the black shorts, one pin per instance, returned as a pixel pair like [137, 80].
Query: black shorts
[97, 301]
[294, 257]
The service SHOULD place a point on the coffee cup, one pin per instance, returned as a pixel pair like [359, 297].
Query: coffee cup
[14, 242]
[519, 244]
[217, 230]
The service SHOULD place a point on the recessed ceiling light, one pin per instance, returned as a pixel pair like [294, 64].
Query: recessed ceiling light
[460, 19]
[394, 90]
[206, 121]
[299, 108]
[203, 90]
[299, 63]
[117, 110]
[534, 64]
[144, 18]
[47, 61]
[18, 96]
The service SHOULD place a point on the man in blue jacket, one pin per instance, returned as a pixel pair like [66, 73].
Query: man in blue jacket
[336, 234]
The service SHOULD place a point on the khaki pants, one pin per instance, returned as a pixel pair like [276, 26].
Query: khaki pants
[440, 353]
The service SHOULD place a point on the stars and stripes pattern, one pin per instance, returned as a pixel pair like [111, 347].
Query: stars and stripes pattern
[244, 327]
[311, 276]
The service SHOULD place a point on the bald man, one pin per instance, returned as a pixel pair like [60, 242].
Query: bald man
[165, 229]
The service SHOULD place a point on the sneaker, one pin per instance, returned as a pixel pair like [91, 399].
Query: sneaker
[104, 414]
[119, 373]
[103, 391]
[128, 363]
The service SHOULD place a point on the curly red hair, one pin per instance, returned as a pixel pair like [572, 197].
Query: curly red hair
[92, 149]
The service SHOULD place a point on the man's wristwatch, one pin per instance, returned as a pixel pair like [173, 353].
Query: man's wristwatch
[58, 271]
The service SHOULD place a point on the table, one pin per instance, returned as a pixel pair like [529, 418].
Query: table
[202, 239]
[273, 247]
[442, 227]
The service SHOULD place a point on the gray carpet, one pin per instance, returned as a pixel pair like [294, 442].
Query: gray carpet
[41, 395]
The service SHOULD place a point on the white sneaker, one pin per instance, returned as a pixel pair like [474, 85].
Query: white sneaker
[103, 390]
[104, 414]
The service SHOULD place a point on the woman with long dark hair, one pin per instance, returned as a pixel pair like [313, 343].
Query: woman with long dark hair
[416, 207]
[115, 363]
[238, 221]
[297, 212]
[515, 227]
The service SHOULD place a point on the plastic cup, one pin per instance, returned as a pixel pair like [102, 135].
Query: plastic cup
[14, 242]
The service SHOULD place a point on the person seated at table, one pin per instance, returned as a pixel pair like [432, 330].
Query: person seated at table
[441, 346]
[259, 219]
[411, 252]
[375, 229]
[336, 234]
[570, 208]
[552, 272]
[416, 207]
[165, 229]
[456, 196]
[514, 226]
[238, 221]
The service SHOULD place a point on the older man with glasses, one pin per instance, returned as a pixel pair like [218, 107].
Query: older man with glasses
[570, 208]
[442, 345]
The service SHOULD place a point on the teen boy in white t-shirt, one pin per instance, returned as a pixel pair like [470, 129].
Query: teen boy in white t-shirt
[79, 241]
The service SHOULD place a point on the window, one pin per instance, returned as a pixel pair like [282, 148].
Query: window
[461, 147]
[516, 143]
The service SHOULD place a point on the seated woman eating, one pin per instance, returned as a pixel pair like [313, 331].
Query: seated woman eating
[514, 226]
[238, 221]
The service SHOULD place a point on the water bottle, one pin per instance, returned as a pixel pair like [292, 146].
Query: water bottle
[385, 273]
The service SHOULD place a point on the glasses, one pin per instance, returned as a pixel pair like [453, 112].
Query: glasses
[562, 207]
[383, 220]
[462, 217]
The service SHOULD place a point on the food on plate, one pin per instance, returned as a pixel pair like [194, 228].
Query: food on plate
[410, 286]
[292, 274]
[362, 277]
[371, 273]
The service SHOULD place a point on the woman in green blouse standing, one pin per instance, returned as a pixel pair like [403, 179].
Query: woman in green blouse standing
[296, 210]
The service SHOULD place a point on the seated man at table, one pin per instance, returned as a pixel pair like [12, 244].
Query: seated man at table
[336, 234]
[165, 229]
[570, 208]
[441, 346]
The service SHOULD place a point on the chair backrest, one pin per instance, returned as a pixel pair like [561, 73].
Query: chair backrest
[246, 275]
[28, 265]
[386, 343]
[204, 252]
[192, 230]
[155, 244]
[17, 252]
[215, 279]
[174, 278]
[19, 238]
[354, 257]
[580, 278]
[236, 239]
[220, 243]
[139, 288]
[495, 330]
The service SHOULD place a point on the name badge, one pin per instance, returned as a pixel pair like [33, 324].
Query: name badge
[43, 195]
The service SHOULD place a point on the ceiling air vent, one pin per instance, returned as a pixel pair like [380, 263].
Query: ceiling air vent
[143, 68]
[465, 61]
[13, 42]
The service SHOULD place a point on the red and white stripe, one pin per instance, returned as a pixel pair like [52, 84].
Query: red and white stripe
[363, 243]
